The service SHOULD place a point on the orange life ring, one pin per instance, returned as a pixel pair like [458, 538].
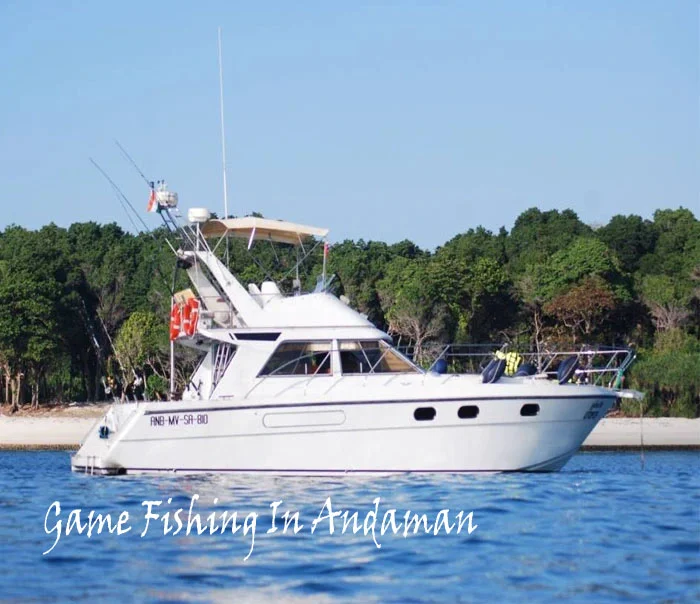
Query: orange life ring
[193, 304]
[175, 316]
[186, 318]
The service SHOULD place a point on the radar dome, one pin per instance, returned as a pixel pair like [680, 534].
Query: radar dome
[198, 215]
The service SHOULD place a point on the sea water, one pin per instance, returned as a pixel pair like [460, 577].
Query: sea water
[611, 526]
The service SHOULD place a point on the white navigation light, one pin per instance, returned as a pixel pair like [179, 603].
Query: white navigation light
[198, 215]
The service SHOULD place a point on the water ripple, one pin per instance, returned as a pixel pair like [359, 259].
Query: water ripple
[605, 528]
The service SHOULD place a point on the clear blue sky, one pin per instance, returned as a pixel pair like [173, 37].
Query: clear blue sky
[380, 120]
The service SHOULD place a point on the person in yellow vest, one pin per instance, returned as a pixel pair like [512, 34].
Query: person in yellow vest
[512, 359]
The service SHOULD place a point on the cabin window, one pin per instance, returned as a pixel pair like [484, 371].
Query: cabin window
[372, 356]
[300, 358]
[424, 414]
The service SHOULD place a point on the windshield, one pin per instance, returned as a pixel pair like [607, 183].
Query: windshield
[372, 356]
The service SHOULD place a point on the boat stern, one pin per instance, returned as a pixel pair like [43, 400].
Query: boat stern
[93, 456]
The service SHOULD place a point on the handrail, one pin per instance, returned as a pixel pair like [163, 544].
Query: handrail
[614, 360]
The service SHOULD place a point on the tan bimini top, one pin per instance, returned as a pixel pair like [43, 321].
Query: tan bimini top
[253, 228]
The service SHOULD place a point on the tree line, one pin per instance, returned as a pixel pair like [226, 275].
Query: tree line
[84, 310]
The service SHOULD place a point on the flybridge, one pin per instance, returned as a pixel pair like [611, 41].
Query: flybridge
[226, 303]
[220, 307]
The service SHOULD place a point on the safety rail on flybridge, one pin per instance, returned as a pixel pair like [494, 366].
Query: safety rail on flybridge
[201, 227]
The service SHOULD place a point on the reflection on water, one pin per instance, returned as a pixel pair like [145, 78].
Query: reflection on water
[604, 528]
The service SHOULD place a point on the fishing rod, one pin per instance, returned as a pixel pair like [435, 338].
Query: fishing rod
[172, 225]
[150, 183]
[120, 196]
[124, 199]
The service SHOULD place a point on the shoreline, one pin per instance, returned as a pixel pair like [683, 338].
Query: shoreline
[649, 433]
[63, 428]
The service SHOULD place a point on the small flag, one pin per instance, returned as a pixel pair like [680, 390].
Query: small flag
[325, 250]
[152, 205]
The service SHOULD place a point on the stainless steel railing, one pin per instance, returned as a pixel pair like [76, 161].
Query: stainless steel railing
[598, 365]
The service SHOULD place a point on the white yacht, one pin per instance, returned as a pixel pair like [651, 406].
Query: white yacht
[305, 385]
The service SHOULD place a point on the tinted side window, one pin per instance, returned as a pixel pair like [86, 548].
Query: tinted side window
[300, 358]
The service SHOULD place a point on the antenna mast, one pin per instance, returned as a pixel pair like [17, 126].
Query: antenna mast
[223, 134]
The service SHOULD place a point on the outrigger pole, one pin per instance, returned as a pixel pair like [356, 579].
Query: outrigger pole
[223, 137]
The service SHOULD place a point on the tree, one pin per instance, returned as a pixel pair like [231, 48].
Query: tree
[530, 291]
[142, 342]
[10, 340]
[584, 307]
[695, 301]
[630, 237]
[359, 267]
[33, 293]
[584, 257]
[411, 302]
[478, 294]
[677, 249]
[474, 244]
[29, 338]
[536, 235]
[669, 374]
[668, 301]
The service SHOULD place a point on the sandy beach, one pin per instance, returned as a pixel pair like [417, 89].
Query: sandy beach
[651, 432]
[64, 427]
[53, 428]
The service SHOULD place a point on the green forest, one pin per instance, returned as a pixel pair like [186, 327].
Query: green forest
[84, 306]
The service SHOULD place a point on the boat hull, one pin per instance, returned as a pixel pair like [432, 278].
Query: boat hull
[351, 437]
